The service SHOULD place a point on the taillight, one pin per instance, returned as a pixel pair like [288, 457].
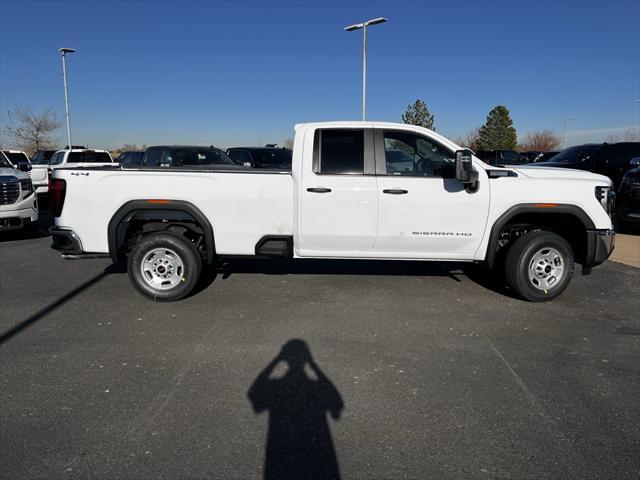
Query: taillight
[57, 191]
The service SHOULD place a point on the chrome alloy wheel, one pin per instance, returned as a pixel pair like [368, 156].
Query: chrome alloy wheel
[162, 268]
[546, 268]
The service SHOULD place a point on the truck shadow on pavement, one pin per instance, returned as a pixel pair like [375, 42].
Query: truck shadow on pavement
[299, 442]
[453, 271]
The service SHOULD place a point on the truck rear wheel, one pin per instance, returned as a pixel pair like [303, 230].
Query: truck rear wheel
[539, 266]
[164, 267]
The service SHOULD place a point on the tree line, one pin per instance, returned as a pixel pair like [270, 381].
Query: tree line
[497, 133]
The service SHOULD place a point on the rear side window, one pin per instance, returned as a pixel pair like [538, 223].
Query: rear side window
[341, 152]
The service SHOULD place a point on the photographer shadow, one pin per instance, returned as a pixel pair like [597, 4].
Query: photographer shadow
[299, 443]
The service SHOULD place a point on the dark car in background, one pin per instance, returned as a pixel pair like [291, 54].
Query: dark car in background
[531, 156]
[177, 156]
[261, 157]
[628, 198]
[130, 158]
[546, 156]
[501, 157]
[610, 159]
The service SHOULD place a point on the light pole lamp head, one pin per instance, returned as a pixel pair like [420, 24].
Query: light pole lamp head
[64, 51]
[356, 26]
[375, 21]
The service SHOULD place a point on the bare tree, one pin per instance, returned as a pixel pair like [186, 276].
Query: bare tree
[31, 131]
[542, 141]
[469, 139]
[288, 143]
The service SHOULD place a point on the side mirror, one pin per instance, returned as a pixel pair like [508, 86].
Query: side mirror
[634, 162]
[24, 166]
[464, 166]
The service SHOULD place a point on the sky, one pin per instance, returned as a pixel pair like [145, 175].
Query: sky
[243, 73]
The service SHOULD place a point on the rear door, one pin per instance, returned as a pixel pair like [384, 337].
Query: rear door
[337, 197]
[424, 212]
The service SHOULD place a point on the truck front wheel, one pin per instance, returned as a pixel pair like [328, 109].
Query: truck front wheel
[539, 266]
[164, 267]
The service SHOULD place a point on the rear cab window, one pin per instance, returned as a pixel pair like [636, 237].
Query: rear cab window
[88, 157]
[339, 152]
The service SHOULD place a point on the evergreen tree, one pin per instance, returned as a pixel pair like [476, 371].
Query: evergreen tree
[498, 132]
[418, 114]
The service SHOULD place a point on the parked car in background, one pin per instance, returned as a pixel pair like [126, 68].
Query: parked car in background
[177, 156]
[77, 157]
[610, 159]
[130, 158]
[530, 157]
[628, 199]
[261, 157]
[40, 172]
[501, 157]
[17, 158]
[545, 156]
[18, 202]
[343, 198]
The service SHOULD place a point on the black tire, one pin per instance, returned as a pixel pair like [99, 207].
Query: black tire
[187, 271]
[521, 257]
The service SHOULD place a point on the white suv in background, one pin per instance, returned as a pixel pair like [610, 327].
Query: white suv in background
[77, 157]
[18, 203]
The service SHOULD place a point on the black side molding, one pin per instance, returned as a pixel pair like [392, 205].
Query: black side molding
[280, 246]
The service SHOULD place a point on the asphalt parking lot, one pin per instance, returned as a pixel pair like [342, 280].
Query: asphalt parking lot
[429, 373]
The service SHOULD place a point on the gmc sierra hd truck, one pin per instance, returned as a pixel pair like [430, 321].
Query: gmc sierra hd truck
[357, 190]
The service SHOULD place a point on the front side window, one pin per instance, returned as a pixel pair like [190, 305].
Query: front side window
[410, 154]
[341, 152]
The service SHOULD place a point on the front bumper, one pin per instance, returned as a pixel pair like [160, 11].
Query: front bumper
[600, 244]
[15, 219]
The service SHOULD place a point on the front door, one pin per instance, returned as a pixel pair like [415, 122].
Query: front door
[424, 212]
[338, 200]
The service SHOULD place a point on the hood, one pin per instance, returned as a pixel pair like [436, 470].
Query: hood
[539, 170]
[6, 171]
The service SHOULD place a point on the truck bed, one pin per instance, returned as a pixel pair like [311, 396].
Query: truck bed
[245, 204]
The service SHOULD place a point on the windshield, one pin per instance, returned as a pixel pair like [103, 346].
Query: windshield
[16, 157]
[4, 162]
[576, 154]
[42, 157]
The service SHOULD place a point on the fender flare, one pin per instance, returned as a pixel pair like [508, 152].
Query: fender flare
[162, 210]
[538, 209]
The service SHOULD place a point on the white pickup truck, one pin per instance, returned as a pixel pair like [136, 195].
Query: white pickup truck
[18, 204]
[363, 190]
[77, 157]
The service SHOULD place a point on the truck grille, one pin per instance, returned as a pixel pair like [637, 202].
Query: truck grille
[9, 190]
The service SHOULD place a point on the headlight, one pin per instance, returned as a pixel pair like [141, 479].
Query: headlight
[27, 187]
[606, 198]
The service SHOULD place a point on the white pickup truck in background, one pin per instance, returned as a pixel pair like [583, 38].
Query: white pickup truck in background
[77, 157]
[18, 203]
[358, 190]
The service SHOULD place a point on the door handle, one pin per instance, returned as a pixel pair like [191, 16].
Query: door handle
[395, 191]
[318, 190]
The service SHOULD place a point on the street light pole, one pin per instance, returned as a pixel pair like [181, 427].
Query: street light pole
[564, 135]
[364, 26]
[64, 52]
